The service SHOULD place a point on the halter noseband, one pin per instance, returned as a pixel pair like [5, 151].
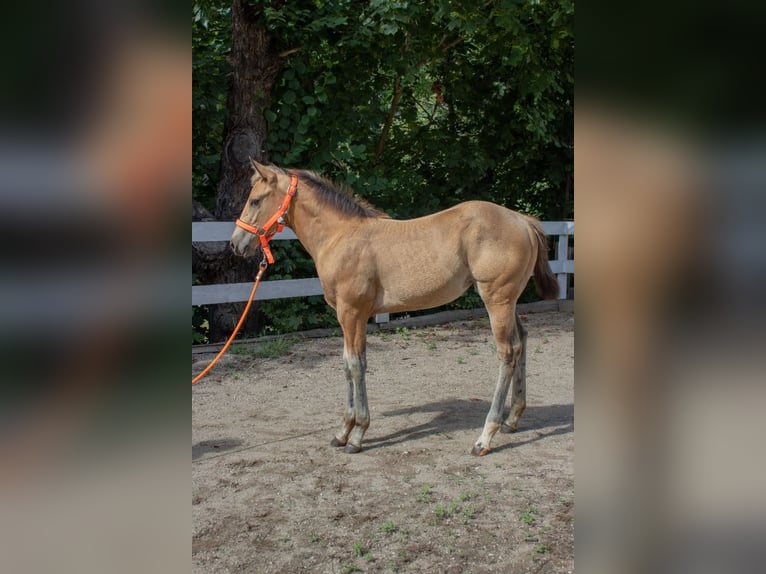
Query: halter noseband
[263, 235]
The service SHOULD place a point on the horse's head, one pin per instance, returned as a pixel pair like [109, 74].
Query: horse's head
[268, 188]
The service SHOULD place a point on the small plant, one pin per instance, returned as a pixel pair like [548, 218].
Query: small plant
[469, 512]
[431, 346]
[424, 494]
[460, 361]
[347, 568]
[441, 511]
[541, 549]
[361, 552]
[314, 538]
[274, 349]
[389, 527]
[403, 332]
[528, 517]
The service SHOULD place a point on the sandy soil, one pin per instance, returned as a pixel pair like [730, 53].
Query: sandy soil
[271, 495]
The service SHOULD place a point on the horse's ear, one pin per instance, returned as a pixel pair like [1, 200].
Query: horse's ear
[263, 171]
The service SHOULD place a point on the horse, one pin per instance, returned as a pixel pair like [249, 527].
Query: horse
[369, 263]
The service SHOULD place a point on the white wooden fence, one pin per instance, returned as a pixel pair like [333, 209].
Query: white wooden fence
[206, 231]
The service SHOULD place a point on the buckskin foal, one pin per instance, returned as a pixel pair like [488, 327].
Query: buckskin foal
[368, 263]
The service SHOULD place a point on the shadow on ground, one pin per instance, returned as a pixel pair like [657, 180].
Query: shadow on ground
[463, 414]
[216, 445]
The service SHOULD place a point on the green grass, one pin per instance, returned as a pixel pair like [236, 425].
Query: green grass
[403, 332]
[361, 552]
[389, 527]
[458, 508]
[274, 349]
[347, 568]
[529, 517]
[424, 494]
[266, 350]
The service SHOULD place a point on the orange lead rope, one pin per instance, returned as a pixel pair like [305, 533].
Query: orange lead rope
[264, 237]
[205, 371]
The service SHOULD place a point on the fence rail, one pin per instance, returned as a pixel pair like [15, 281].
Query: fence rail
[208, 231]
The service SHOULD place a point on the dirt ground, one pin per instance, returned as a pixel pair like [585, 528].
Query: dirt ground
[271, 495]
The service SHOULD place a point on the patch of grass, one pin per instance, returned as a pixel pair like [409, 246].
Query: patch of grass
[347, 568]
[403, 332]
[431, 346]
[274, 349]
[542, 549]
[314, 538]
[529, 517]
[424, 494]
[469, 512]
[361, 552]
[267, 350]
[389, 527]
[441, 511]
[460, 361]
[456, 508]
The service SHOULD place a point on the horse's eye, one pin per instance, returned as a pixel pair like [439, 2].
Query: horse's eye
[254, 202]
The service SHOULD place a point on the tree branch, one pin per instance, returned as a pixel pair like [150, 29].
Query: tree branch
[288, 52]
[389, 119]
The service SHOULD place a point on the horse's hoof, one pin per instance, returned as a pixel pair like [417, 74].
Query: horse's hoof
[507, 429]
[336, 442]
[479, 450]
[351, 449]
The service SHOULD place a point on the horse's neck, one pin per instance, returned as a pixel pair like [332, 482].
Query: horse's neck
[315, 225]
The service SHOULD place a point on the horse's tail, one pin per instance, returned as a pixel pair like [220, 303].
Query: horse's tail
[545, 281]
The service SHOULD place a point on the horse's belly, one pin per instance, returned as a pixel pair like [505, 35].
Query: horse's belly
[420, 293]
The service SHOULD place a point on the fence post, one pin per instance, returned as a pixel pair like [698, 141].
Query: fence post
[562, 254]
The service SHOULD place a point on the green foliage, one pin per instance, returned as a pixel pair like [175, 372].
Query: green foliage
[424, 494]
[211, 42]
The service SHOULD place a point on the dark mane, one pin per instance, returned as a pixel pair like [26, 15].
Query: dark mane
[338, 197]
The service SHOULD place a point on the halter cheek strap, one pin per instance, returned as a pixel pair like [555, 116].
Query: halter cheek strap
[264, 236]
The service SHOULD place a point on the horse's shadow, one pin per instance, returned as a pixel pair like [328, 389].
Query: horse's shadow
[461, 414]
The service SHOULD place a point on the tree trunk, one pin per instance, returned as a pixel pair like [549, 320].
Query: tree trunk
[255, 64]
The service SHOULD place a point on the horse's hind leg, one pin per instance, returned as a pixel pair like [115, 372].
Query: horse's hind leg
[519, 386]
[349, 417]
[509, 351]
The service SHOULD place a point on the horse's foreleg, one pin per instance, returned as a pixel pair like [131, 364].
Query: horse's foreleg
[358, 366]
[509, 352]
[357, 417]
[519, 388]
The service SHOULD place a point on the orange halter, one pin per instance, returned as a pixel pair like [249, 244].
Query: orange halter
[263, 234]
